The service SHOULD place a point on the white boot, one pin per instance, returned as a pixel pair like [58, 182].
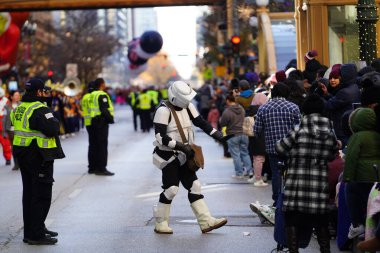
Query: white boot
[205, 220]
[161, 213]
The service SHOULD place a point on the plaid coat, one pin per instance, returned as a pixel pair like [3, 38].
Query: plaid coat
[308, 149]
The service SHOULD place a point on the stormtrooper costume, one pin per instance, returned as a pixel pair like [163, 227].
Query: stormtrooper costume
[170, 155]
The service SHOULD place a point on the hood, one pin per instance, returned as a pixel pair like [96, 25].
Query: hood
[362, 119]
[348, 73]
[237, 109]
[316, 125]
[246, 93]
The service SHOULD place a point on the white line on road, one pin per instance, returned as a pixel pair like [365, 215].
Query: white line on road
[75, 193]
[206, 188]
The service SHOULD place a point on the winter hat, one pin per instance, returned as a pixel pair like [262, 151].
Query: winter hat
[280, 90]
[280, 76]
[289, 70]
[313, 104]
[243, 84]
[335, 71]
[234, 84]
[310, 55]
[252, 77]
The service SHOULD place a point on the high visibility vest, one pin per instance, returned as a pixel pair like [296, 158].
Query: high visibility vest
[85, 104]
[145, 101]
[23, 135]
[164, 93]
[132, 95]
[94, 103]
[154, 95]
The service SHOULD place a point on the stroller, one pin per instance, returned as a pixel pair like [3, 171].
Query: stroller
[303, 234]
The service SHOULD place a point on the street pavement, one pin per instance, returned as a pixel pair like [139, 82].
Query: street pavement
[96, 214]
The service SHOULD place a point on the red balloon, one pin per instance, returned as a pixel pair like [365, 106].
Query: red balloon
[19, 18]
[9, 45]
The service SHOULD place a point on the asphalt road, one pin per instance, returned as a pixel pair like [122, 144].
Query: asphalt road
[114, 214]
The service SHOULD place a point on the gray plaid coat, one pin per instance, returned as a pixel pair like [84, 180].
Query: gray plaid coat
[308, 149]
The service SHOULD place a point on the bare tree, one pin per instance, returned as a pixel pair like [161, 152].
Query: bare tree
[79, 39]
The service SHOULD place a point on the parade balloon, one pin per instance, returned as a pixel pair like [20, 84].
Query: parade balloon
[19, 18]
[10, 32]
[141, 49]
[5, 21]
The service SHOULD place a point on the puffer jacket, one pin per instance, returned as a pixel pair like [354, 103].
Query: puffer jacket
[346, 94]
[363, 149]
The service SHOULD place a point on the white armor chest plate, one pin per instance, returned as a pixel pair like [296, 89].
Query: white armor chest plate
[186, 124]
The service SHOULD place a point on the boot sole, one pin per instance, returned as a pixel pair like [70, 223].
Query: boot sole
[214, 227]
[163, 233]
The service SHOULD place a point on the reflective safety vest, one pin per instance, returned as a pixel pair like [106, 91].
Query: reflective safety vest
[23, 135]
[133, 97]
[86, 109]
[154, 95]
[94, 103]
[145, 101]
[164, 93]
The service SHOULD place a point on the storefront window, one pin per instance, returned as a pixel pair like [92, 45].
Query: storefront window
[343, 35]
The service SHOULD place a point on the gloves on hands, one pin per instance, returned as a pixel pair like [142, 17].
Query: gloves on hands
[186, 149]
[218, 136]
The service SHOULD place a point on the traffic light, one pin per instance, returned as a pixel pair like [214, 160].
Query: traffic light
[235, 41]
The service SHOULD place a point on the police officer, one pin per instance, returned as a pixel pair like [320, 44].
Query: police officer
[101, 109]
[145, 103]
[170, 155]
[132, 97]
[86, 113]
[36, 146]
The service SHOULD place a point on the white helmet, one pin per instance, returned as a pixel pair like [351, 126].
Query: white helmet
[180, 94]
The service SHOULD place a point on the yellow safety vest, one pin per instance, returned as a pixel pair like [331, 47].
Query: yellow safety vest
[94, 103]
[145, 101]
[164, 93]
[23, 135]
[154, 95]
[85, 103]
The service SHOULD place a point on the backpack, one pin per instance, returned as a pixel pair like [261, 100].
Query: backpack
[248, 124]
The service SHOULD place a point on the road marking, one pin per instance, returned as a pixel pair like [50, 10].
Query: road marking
[188, 221]
[48, 222]
[75, 193]
[206, 188]
[148, 195]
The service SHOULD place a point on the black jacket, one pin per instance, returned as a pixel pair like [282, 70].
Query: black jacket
[105, 117]
[49, 126]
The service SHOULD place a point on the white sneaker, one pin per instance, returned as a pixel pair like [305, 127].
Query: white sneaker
[260, 183]
[354, 232]
[251, 180]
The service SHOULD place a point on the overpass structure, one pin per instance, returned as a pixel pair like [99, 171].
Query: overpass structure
[38, 5]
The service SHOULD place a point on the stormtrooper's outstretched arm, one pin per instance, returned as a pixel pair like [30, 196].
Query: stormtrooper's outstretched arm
[200, 122]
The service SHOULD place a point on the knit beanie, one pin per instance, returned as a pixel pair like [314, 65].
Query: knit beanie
[313, 104]
[280, 76]
[243, 85]
[310, 55]
[335, 71]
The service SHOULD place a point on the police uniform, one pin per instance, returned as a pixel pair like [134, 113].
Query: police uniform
[86, 113]
[132, 99]
[145, 103]
[102, 111]
[36, 146]
[170, 155]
